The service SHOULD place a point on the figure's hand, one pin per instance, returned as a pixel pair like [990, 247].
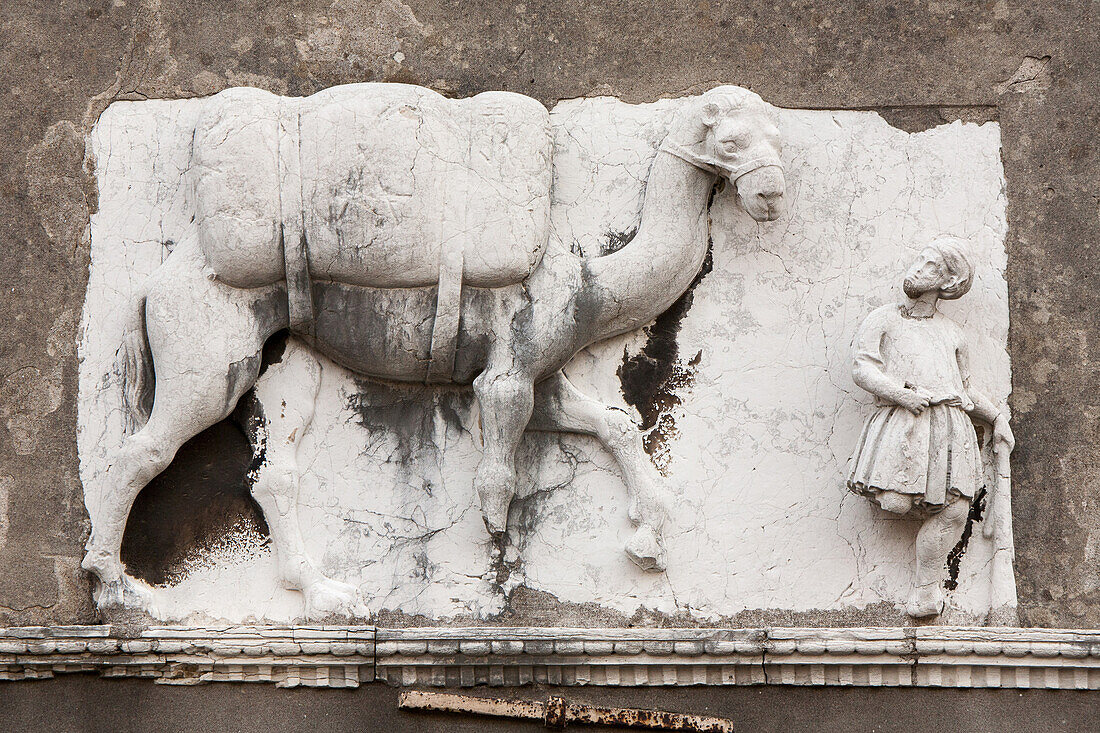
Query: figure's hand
[913, 400]
[1003, 439]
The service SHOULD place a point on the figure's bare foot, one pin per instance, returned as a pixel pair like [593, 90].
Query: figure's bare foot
[328, 597]
[925, 601]
[646, 550]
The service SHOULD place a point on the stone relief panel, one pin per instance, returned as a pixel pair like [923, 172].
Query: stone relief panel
[437, 280]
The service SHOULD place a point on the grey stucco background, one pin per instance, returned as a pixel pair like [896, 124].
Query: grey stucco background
[121, 706]
[1033, 66]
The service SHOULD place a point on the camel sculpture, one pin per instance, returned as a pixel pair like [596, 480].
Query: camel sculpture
[403, 235]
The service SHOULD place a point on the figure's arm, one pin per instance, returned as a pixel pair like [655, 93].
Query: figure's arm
[984, 409]
[868, 369]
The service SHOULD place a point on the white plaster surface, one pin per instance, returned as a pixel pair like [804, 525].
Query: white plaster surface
[757, 447]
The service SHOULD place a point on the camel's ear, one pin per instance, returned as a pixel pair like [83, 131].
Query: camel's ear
[710, 114]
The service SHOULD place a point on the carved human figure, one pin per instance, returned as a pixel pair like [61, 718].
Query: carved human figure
[308, 216]
[918, 455]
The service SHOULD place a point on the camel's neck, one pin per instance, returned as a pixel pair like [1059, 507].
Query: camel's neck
[639, 282]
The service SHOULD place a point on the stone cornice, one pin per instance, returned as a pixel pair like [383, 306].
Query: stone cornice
[345, 656]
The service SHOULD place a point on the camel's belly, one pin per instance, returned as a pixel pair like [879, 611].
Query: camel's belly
[387, 333]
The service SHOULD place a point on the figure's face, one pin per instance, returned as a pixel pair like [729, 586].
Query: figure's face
[745, 147]
[927, 272]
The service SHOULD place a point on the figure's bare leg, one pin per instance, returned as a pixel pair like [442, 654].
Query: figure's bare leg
[937, 536]
[277, 482]
[205, 341]
[505, 400]
[561, 406]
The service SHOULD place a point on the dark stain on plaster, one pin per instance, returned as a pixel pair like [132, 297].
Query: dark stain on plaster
[652, 379]
[528, 509]
[617, 240]
[274, 350]
[408, 412]
[954, 558]
[197, 504]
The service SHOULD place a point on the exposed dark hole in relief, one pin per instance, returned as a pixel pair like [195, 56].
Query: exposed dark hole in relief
[274, 350]
[201, 499]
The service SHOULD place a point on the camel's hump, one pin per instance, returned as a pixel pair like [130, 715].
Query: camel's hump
[382, 179]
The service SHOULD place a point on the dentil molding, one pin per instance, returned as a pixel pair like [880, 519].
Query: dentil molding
[346, 656]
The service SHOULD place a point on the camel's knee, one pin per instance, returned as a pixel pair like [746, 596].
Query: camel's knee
[952, 518]
[501, 386]
[506, 403]
[144, 455]
[957, 511]
[618, 431]
[275, 486]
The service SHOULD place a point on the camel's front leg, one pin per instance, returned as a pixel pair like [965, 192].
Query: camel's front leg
[289, 389]
[505, 401]
[559, 406]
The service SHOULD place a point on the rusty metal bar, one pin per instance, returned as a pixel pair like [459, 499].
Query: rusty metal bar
[557, 712]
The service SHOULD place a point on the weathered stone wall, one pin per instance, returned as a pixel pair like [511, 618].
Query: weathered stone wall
[137, 705]
[1032, 68]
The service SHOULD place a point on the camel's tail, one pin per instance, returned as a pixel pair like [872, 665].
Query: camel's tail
[134, 367]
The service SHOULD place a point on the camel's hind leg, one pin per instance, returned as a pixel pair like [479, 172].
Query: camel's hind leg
[559, 406]
[289, 391]
[205, 339]
[505, 400]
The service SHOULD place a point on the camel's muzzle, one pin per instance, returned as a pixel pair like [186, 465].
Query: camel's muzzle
[762, 192]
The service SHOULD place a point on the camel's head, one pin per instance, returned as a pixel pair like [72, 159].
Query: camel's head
[730, 130]
[742, 142]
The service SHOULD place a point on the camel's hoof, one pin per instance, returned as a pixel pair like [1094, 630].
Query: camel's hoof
[330, 597]
[497, 531]
[495, 513]
[102, 565]
[645, 549]
[925, 601]
[125, 592]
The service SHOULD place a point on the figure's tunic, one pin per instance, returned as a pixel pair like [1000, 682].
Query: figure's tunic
[931, 455]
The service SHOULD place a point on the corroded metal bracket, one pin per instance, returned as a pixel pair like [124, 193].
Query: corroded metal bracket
[557, 712]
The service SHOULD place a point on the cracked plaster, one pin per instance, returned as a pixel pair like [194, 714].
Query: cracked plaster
[755, 449]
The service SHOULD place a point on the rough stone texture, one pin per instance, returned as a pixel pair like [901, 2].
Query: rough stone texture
[84, 704]
[941, 61]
